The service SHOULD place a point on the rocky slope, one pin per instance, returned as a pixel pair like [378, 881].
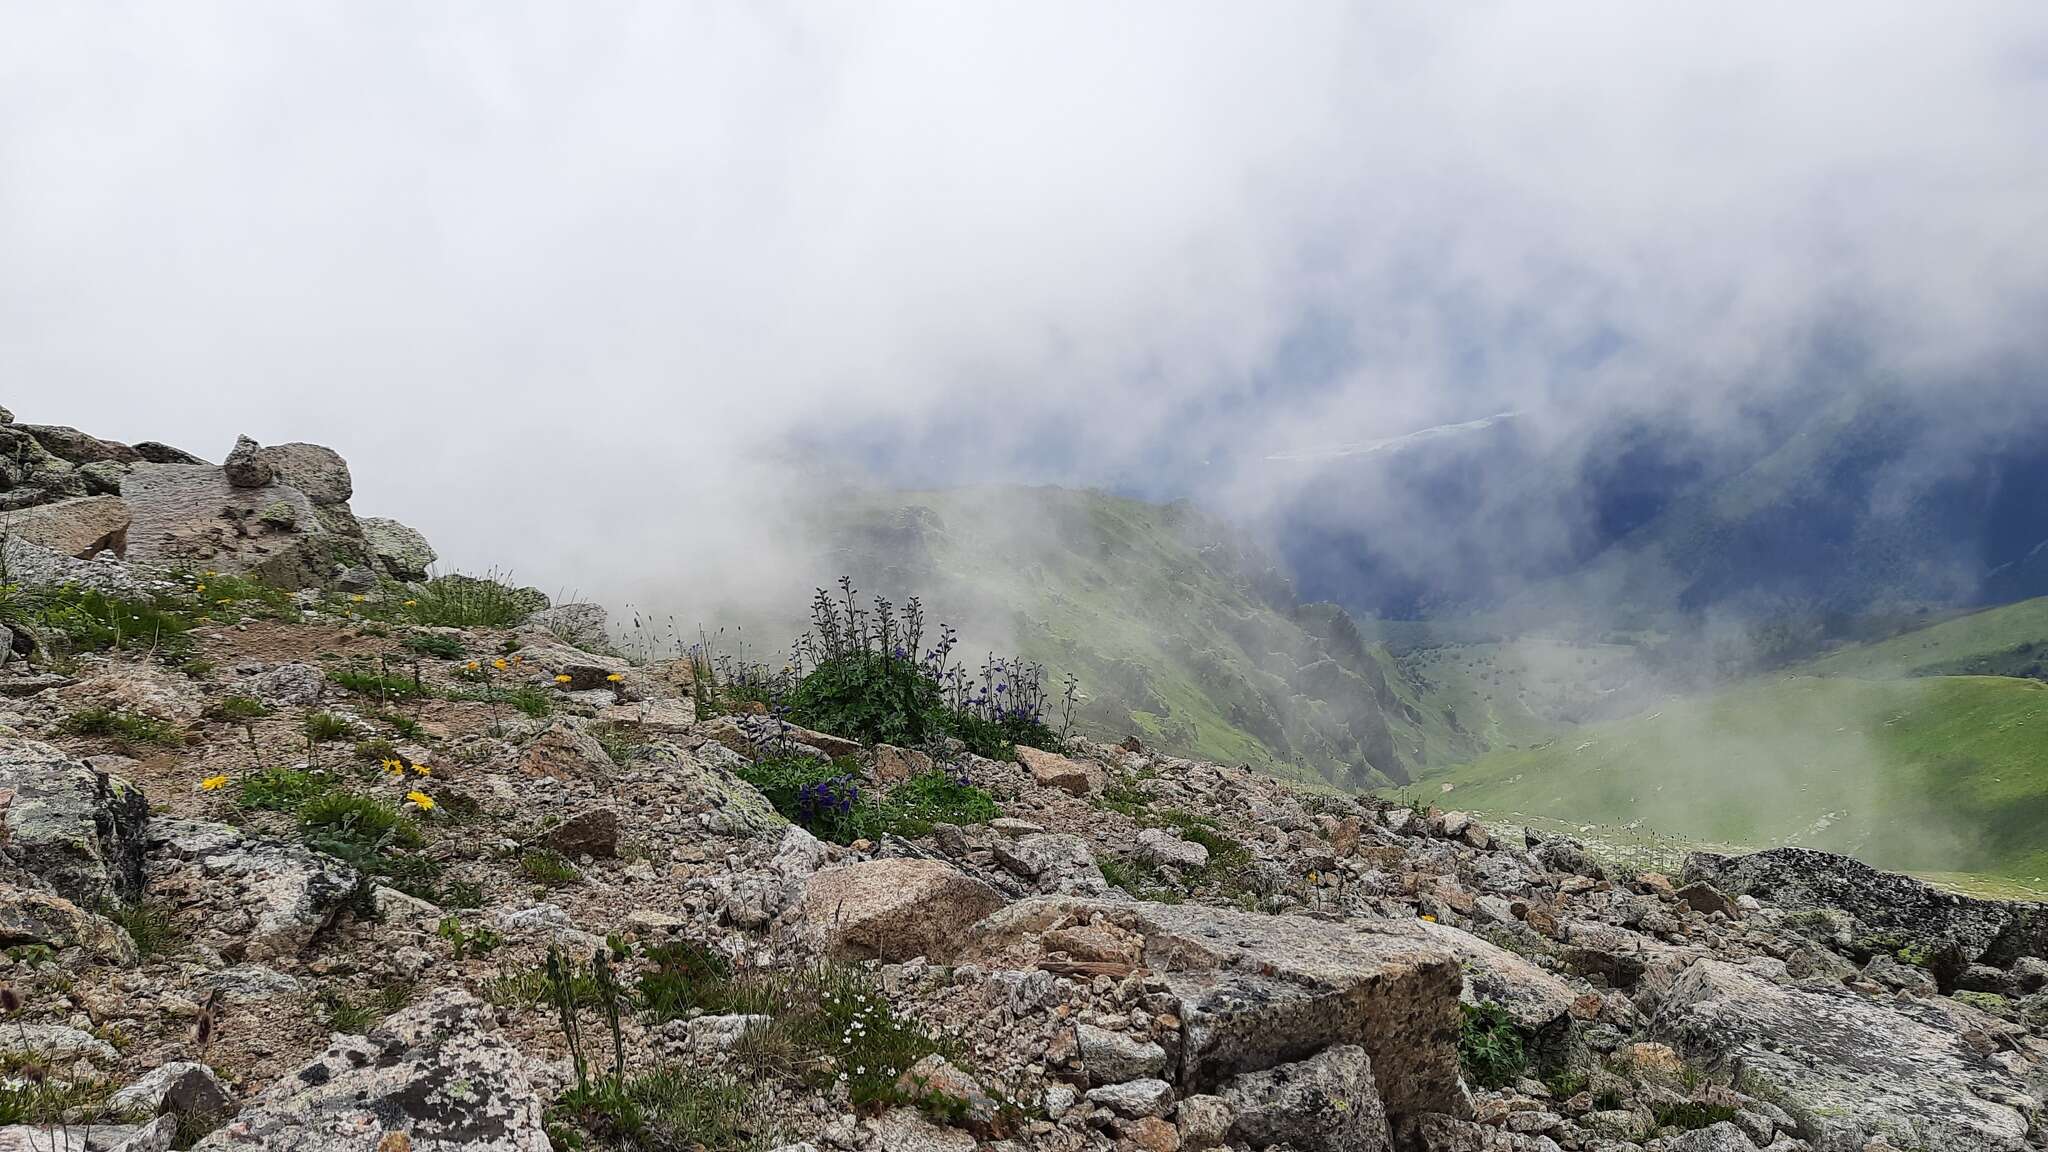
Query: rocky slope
[325, 877]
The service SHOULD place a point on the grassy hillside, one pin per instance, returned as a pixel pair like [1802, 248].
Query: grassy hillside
[1179, 634]
[1943, 774]
[2010, 640]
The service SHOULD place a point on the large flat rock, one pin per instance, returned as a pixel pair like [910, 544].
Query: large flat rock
[1849, 1067]
[1259, 991]
[77, 528]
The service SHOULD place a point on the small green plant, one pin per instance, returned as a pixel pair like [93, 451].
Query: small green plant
[347, 1015]
[326, 727]
[618, 740]
[241, 708]
[149, 924]
[83, 620]
[462, 894]
[482, 940]
[358, 822]
[1138, 877]
[280, 789]
[671, 1107]
[50, 1103]
[689, 977]
[382, 685]
[376, 750]
[549, 867]
[1490, 1046]
[459, 601]
[1690, 1114]
[405, 726]
[125, 729]
[435, 644]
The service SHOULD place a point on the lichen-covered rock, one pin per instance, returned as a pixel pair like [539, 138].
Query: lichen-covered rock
[77, 447]
[895, 909]
[1255, 991]
[1536, 999]
[245, 466]
[30, 916]
[1112, 1057]
[192, 514]
[1326, 1103]
[1163, 847]
[268, 898]
[79, 829]
[289, 685]
[566, 751]
[319, 472]
[434, 1071]
[399, 549]
[1056, 863]
[182, 1088]
[581, 626]
[1849, 1067]
[702, 784]
[1052, 770]
[591, 832]
[1992, 931]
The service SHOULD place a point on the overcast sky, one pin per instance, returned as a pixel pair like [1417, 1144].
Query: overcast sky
[574, 287]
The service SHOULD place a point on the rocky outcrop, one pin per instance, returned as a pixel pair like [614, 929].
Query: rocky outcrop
[1850, 1068]
[895, 909]
[1326, 1103]
[1052, 770]
[266, 899]
[1254, 992]
[434, 1072]
[77, 828]
[31, 916]
[78, 527]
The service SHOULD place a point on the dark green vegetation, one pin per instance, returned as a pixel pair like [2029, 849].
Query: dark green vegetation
[124, 730]
[66, 620]
[830, 800]
[1490, 1046]
[458, 601]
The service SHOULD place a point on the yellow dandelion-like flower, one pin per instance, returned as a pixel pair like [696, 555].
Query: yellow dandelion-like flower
[564, 678]
[199, 588]
[1427, 916]
[420, 800]
[213, 783]
[472, 666]
[615, 677]
[423, 770]
[498, 664]
[411, 603]
[209, 573]
[395, 767]
[356, 599]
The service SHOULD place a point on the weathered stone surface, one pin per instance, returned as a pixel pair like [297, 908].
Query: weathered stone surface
[1849, 1067]
[77, 528]
[402, 551]
[1256, 991]
[1326, 1103]
[663, 716]
[157, 452]
[319, 472]
[181, 1088]
[566, 751]
[156, 1136]
[1111, 1057]
[77, 447]
[285, 892]
[591, 832]
[245, 466]
[1992, 931]
[1437, 1133]
[906, 1130]
[1706, 899]
[289, 685]
[55, 1043]
[1056, 863]
[1051, 770]
[893, 765]
[191, 514]
[29, 916]
[79, 829]
[434, 1071]
[581, 626]
[1533, 997]
[703, 785]
[1203, 1121]
[1163, 847]
[1133, 1099]
[896, 909]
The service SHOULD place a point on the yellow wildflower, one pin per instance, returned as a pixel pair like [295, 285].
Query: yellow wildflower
[356, 599]
[411, 603]
[423, 770]
[564, 678]
[471, 666]
[420, 800]
[615, 677]
[213, 783]
[1427, 916]
[499, 664]
[199, 588]
[395, 767]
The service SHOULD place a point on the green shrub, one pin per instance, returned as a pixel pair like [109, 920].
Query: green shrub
[462, 894]
[436, 645]
[935, 797]
[668, 1108]
[84, 620]
[689, 977]
[829, 800]
[381, 685]
[458, 601]
[281, 789]
[1490, 1046]
[359, 822]
[125, 729]
[482, 940]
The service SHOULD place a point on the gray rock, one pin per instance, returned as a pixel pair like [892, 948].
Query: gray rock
[402, 551]
[702, 784]
[55, 1044]
[1721, 1136]
[156, 452]
[1326, 1103]
[434, 1071]
[581, 626]
[906, 1130]
[1054, 862]
[102, 477]
[79, 829]
[1890, 971]
[191, 515]
[251, 984]
[245, 466]
[182, 1088]
[319, 472]
[1110, 1057]
[1848, 1067]
[288, 892]
[1564, 854]
[1204, 1122]
[1533, 997]
[894, 909]
[1134, 1098]
[721, 1033]
[591, 832]
[78, 527]
[356, 578]
[290, 685]
[156, 1136]
[73, 446]
[32, 916]
[1163, 847]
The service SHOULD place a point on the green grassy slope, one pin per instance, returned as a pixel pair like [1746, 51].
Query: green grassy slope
[1179, 635]
[2006, 640]
[1945, 774]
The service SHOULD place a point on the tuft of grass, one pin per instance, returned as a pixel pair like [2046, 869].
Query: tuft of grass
[359, 822]
[670, 1107]
[241, 708]
[281, 789]
[125, 729]
[435, 644]
[326, 727]
[1141, 878]
[383, 686]
[74, 619]
[149, 924]
[688, 978]
[53, 1103]
[459, 601]
[354, 1017]
[549, 867]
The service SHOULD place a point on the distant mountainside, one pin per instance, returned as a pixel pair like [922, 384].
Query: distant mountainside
[1838, 502]
[1179, 632]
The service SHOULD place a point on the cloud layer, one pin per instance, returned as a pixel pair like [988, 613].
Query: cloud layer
[584, 289]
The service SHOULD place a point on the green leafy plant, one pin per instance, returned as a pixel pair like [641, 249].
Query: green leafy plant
[459, 601]
[149, 924]
[481, 940]
[281, 789]
[351, 1016]
[125, 729]
[549, 867]
[435, 644]
[326, 727]
[360, 822]
[1490, 1046]
[241, 708]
